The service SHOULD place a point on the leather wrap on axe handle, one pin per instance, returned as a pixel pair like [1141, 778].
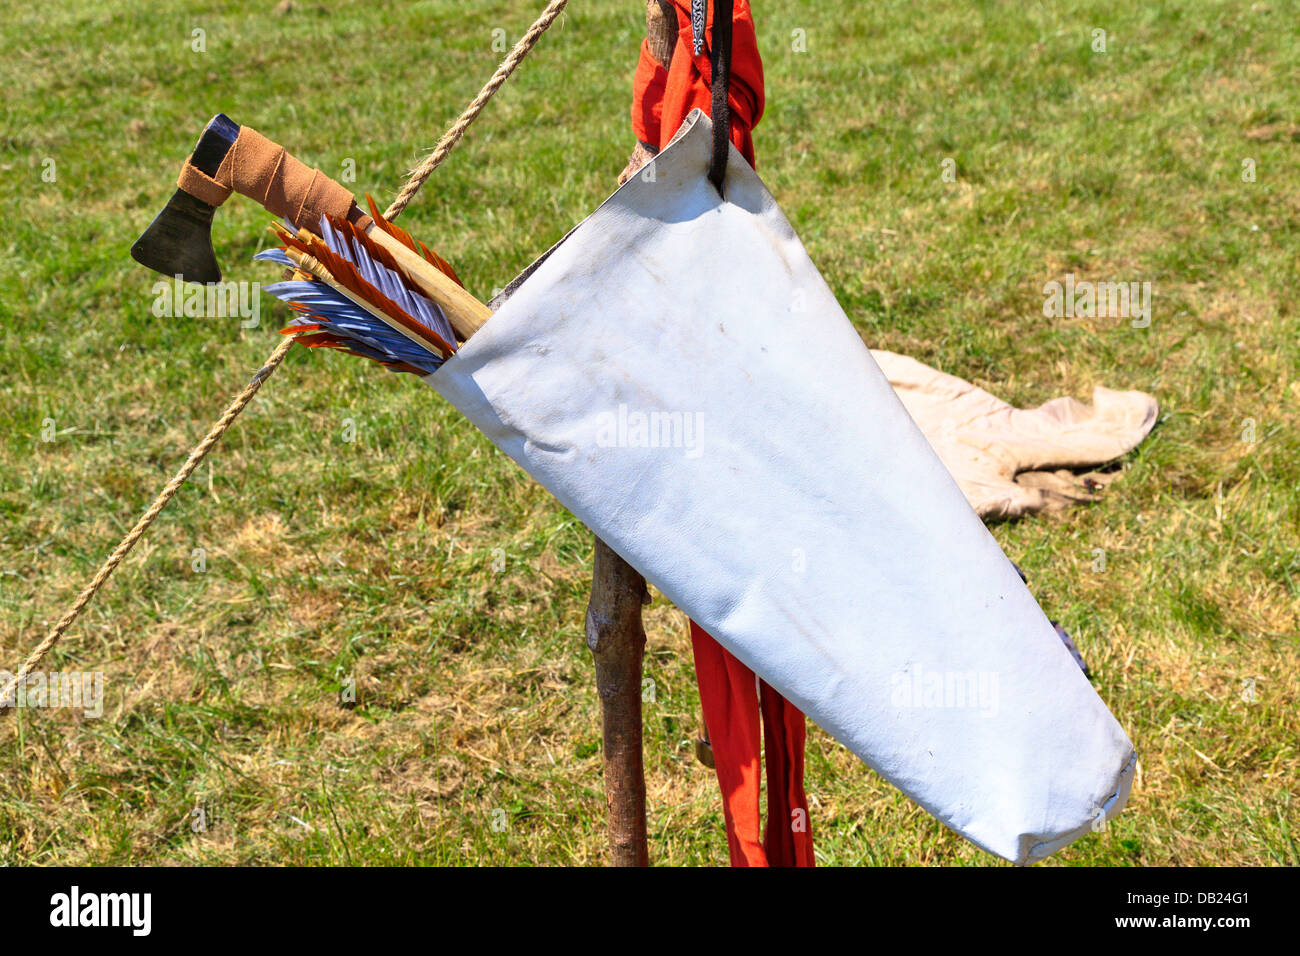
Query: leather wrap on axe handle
[266, 172]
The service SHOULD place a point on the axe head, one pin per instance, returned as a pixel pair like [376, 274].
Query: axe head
[179, 240]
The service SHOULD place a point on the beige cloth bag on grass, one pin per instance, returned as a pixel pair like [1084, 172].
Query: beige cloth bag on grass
[1011, 462]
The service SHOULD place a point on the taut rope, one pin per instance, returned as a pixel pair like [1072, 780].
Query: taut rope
[457, 129]
[417, 179]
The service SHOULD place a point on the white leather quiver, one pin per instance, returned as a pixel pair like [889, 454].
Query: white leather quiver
[677, 373]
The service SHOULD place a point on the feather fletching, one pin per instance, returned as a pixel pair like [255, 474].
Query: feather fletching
[350, 294]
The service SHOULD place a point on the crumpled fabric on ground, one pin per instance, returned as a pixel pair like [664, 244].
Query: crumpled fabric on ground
[1010, 461]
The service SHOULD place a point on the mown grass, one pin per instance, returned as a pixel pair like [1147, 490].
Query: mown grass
[475, 735]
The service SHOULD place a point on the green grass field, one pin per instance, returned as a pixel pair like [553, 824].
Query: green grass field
[475, 738]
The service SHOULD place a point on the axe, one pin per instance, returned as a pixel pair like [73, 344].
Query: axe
[232, 158]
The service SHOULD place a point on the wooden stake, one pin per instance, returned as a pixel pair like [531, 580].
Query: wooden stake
[614, 630]
[617, 641]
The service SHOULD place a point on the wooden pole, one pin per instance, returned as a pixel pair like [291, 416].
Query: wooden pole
[615, 634]
[617, 642]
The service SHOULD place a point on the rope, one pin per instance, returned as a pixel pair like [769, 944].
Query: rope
[453, 135]
[135, 534]
[417, 179]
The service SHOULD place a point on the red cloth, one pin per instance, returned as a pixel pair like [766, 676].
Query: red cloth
[735, 703]
[730, 696]
[661, 98]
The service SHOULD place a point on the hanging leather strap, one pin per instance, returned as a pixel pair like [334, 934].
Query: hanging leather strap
[720, 111]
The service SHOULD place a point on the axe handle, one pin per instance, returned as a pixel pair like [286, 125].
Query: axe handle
[465, 313]
[267, 173]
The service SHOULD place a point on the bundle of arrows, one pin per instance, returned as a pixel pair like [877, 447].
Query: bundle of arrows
[351, 294]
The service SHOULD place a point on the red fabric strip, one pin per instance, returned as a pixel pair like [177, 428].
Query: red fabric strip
[729, 692]
[661, 98]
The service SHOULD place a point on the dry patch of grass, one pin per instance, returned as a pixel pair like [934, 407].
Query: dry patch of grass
[416, 569]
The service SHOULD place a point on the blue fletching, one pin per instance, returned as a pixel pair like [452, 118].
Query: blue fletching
[335, 312]
[274, 255]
